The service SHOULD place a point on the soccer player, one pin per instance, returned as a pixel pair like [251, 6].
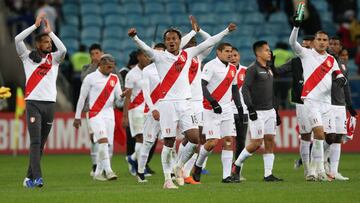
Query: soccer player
[219, 87]
[241, 120]
[95, 55]
[340, 101]
[41, 69]
[319, 67]
[151, 91]
[258, 96]
[133, 111]
[294, 67]
[102, 87]
[174, 107]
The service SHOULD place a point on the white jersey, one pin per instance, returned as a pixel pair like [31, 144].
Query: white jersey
[195, 71]
[40, 77]
[174, 69]
[152, 80]
[92, 87]
[220, 78]
[317, 71]
[240, 77]
[133, 81]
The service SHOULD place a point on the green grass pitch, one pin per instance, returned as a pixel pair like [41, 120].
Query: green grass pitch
[67, 179]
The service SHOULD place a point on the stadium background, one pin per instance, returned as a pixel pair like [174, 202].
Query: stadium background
[83, 22]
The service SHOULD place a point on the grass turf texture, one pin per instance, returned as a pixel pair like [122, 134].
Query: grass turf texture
[67, 179]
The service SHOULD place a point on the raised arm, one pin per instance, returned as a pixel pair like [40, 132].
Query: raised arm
[150, 52]
[298, 49]
[59, 55]
[19, 39]
[185, 39]
[205, 36]
[194, 51]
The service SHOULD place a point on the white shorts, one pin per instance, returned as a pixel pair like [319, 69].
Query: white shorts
[175, 114]
[103, 128]
[265, 124]
[198, 111]
[136, 121]
[217, 126]
[303, 121]
[319, 114]
[151, 128]
[339, 113]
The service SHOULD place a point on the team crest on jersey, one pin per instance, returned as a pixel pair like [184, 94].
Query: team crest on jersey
[232, 73]
[112, 83]
[328, 63]
[241, 77]
[32, 119]
[194, 60]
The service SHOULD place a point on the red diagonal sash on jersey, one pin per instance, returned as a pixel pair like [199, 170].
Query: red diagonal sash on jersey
[173, 74]
[138, 100]
[194, 67]
[104, 96]
[316, 77]
[241, 77]
[38, 74]
[220, 91]
[155, 96]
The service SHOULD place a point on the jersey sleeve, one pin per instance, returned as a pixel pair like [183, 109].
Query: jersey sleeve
[187, 38]
[19, 41]
[84, 92]
[150, 52]
[194, 51]
[205, 53]
[298, 49]
[59, 55]
[207, 73]
[117, 90]
[129, 81]
[336, 70]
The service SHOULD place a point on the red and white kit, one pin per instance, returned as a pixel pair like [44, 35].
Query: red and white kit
[151, 90]
[240, 77]
[175, 106]
[316, 93]
[136, 106]
[220, 79]
[102, 90]
[40, 77]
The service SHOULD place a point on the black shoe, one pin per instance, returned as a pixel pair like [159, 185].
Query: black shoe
[235, 176]
[149, 170]
[272, 178]
[173, 177]
[197, 173]
[227, 180]
[94, 167]
[141, 178]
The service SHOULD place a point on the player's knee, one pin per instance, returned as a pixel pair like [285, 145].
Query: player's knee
[169, 141]
[211, 143]
[102, 140]
[193, 139]
[338, 138]
[139, 138]
[330, 138]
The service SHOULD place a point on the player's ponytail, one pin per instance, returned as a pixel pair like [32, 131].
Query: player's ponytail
[35, 56]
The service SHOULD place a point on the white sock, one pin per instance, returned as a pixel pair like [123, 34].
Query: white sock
[111, 151]
[317, 157]
[268, 164]
[93, 153]
[326, 150]
[203, 154]
[305, 154]
[166, 161]
[104, 157]
[205, 162]
[242, 157]
[144, 154]
[335, 151]
[188, 151]
[189, 165]
[226, 159]
[174, 156]
[180, 150]
[99, 169]
[136, 153]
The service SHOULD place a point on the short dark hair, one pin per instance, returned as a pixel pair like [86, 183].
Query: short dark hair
[335, 38]
[172, 30]
[139, 52]
[95, 46]
[309, 37]
[39, 36]
[160, 45]
[107, 58]
[321, 32]
[132, 59]
[235, 49]
[257, 45]
[222, 46]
